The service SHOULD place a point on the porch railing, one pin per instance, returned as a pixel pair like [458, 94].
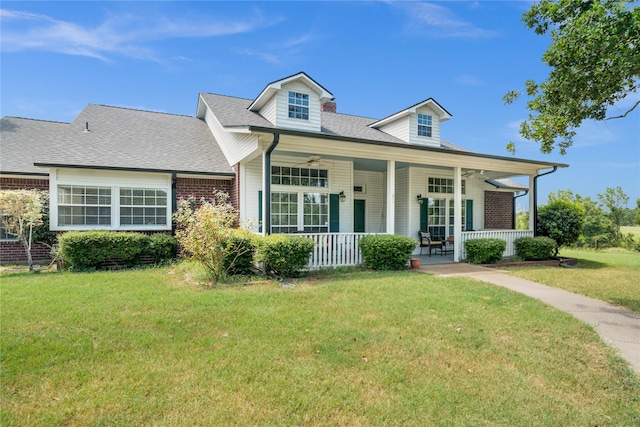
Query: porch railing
[507, 235]
[334, 249]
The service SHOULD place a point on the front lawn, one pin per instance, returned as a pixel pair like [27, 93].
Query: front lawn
[611, 276]
[149, 347]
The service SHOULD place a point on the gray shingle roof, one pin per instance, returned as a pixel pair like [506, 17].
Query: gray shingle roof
[233, 112]
[23, 140]
[122, 138]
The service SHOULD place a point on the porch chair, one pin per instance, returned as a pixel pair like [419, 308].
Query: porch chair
[427, 242]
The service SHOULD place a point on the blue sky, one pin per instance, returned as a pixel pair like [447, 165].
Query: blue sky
[376, 58]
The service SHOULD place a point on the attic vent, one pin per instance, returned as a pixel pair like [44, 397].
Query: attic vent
[362, 189]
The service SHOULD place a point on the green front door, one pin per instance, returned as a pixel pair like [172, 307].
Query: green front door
[358, 216]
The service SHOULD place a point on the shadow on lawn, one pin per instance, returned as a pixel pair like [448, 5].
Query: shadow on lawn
[590, 265]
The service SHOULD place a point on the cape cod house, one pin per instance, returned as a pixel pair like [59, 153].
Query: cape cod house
[290, 162]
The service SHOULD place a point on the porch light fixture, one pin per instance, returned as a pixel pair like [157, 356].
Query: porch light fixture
[419, 197]
[342, 196]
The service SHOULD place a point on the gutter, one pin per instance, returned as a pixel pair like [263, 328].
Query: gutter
[266, 218]
[535, 199]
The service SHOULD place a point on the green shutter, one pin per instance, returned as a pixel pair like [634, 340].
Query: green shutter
[334, 213]
[424, 209]
[260, 210]
[469, 212]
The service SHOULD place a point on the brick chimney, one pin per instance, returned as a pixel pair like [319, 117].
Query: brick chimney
[329, 107]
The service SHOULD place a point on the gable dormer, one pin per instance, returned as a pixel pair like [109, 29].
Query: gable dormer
[292, 103]
[418, 124]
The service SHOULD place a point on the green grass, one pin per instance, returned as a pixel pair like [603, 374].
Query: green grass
[635, 230]
[152, 347]
[611, 276]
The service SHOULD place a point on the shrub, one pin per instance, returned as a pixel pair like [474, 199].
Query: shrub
[534, 248]
[285, 255]
[239, 252]
[83, 250]
[162, 248]
[484, 251]
[386, 251]
[203, 232]
[562, 221]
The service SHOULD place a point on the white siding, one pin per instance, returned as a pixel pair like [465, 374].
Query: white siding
[434, 141]
[282, 105]
[375, 200]
[250, 184]
[399, 129]
[235, 146]
[269, 111]
[402, 202]
[341, 179]
[475, 191]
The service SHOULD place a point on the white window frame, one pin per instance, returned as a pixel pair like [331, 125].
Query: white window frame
[298, 105]
[115, 180]
[425, 125]
[305, 213]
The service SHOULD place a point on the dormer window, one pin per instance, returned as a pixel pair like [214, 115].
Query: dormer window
[424, 125]
[298, 105]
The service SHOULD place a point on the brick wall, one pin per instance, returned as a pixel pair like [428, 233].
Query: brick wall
[199, 187]
[498, 210]
[9, 183]
[12, 252]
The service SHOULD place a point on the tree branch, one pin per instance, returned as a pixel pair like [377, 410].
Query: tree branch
[625, 114]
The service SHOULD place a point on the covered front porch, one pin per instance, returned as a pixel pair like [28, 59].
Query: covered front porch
[337, 191]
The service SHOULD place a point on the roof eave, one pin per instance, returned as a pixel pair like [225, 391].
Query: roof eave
[261, 129]
[129, 169]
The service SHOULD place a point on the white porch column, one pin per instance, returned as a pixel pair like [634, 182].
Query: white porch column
[391, 196]
[531, 195]
[457, 213]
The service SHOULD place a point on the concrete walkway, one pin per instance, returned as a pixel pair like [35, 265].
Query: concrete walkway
[617, 327]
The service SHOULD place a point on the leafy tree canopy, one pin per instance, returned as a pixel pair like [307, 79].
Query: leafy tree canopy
[595, 63]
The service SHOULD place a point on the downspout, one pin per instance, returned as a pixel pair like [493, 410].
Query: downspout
[266, 218]
[535, 199]
[174, 201]
[513, 226]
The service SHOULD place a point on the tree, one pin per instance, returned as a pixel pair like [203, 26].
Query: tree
[562, 221]
[21, 211]
[636, 221]
[616, 201]
[595, 62]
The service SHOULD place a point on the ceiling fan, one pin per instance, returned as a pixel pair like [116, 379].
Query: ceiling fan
[471, 173]
[314, 161]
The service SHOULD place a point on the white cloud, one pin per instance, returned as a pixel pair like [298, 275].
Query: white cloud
[439, 22]
[124, 34]
[469, 80]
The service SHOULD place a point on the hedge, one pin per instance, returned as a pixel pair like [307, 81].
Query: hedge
[86, 250]
[283, 254]
[484, 251]
[386, 251]
[534, 248]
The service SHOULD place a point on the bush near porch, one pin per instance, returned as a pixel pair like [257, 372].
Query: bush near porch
[484, 251]
[386, 251]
